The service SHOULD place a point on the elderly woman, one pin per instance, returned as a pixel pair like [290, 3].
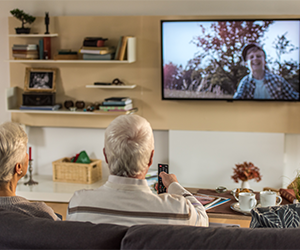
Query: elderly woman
[13, 166]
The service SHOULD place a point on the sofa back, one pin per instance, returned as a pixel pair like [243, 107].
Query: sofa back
[18, 231]
[188, 237]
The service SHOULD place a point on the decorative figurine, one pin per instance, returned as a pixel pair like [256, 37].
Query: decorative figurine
[31, 181]
[47, 21]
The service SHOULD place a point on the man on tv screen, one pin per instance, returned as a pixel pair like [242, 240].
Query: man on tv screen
[260, 83]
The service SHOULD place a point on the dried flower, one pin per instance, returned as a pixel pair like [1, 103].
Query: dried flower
[246, 171]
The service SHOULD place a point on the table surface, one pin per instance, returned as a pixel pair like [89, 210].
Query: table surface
[224, 210]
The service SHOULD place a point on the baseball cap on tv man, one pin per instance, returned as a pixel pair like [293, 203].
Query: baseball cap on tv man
[249, 46]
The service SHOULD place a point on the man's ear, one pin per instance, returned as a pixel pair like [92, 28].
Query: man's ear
[151, 158]
[18, 168]
[105, 155]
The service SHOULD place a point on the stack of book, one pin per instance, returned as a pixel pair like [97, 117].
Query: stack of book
[116, 104]
[25, 51]
[210, 201]
[94, 49]
[45, 48]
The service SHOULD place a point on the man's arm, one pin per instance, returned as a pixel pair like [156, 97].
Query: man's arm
[173, 187]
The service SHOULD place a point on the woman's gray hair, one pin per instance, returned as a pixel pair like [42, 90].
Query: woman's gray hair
[13, 147]
[128, 145]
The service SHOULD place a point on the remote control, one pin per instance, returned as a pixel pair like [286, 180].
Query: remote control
[162, 168]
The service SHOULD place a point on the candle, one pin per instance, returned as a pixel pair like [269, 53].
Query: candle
[30, 153]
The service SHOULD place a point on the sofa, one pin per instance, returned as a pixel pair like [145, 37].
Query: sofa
[18, 231]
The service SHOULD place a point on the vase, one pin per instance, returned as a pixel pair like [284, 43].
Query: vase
[245, 184]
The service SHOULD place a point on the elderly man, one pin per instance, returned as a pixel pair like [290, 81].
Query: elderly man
[126, 198]
[260, 83]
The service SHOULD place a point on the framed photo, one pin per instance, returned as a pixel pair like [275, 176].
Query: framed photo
[40, 80]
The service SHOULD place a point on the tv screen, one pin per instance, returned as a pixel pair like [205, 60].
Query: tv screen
[230, 59]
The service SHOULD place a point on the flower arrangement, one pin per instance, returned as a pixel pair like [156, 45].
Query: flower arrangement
[246, 171]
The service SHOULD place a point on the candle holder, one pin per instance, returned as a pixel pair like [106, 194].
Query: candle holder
[31, 181]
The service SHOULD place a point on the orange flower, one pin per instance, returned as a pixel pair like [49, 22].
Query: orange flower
[246, 171]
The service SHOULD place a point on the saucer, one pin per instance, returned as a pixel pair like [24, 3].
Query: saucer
[236, 207]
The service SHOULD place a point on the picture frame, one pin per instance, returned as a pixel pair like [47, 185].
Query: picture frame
[40, 80]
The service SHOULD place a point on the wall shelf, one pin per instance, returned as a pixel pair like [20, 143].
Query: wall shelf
[131, 54]
[13, 105]
[32, 35]
[67, 112]
[111, 86]
[68, 61]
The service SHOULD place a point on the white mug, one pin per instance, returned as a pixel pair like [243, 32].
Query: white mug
[269, 198]
[247, 201]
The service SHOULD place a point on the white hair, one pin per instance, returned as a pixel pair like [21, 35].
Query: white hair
[128, 145]
[13, 147]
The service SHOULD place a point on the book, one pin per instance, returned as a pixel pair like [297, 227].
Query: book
[27, 52]
[116, 108]
[288, 194]
[116, 103]
[25, 47]
[65, 57]
[33, 56]
[210, 201]
[118, 48]
[97, 50]
[97, 57]
[118, 99]
[121, 56]
[66, 52]
[47, 47]
[41, 49]
[94, 41]
[54, 107]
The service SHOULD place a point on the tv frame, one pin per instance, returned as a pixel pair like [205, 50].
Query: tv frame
[224, 20]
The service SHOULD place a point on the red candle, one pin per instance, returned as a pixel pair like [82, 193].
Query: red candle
[30, 153]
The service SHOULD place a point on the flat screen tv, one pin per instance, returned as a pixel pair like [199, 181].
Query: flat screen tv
[230, 59]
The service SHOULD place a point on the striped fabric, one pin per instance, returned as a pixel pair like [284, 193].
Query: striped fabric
[285, 216]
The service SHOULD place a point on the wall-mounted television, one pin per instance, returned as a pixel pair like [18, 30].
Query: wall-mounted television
[230, 59]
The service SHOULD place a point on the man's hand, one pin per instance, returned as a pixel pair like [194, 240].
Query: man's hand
[167, 179]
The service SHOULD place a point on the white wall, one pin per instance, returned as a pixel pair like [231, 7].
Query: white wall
[48, 144]
[209, 157]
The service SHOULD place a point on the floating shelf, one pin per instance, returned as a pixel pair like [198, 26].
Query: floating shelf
[131, 54]
[68, 112]
[32, 35]
[68, 61]
[12, 107]
[110, 86]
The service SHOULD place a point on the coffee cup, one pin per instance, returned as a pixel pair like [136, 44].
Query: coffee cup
[247, 201]
[269, 198]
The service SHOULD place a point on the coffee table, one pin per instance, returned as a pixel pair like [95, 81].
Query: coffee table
[223, 213]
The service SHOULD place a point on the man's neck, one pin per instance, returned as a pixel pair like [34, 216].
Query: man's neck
[258, 75]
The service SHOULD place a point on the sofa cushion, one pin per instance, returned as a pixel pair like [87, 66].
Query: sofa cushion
[18, 231]
[285, 216]
[188, 237]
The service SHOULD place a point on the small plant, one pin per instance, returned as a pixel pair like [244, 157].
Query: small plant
[22, 16]
[296, 186]
[246, 171]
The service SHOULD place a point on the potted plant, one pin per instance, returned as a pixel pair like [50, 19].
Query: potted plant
[24, 18]
[244, 172]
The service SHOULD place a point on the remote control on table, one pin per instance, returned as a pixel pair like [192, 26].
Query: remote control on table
[162, 168]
